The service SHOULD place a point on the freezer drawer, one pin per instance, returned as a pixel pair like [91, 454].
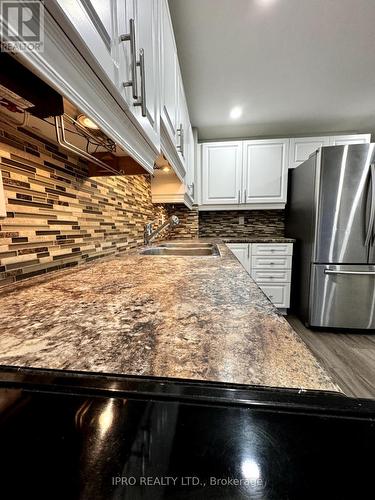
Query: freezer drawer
[343, 296]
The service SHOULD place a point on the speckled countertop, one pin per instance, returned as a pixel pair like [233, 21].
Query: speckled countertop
[259, 239]
[186, 317]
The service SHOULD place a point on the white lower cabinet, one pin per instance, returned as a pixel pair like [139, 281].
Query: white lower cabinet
[271, 262]
[270, 266]
[278, 293]
[271, 276]
[243, 253]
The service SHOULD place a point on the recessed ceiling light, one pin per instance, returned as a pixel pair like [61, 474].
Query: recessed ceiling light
[266, 3]
[235, 112]
[166, 169]
[85, 121]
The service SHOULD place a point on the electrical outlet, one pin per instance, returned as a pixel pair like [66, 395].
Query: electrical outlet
[241, 220]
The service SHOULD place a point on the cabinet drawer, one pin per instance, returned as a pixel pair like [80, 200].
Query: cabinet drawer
[279, 294]
[272, 276]
[272, 249]
[275, 262]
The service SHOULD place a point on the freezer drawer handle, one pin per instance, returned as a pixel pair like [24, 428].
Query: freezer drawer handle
[357, 273]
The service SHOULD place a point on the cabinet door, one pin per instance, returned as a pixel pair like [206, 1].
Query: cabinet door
[94, 22]
[242, 252]
[279, 294]
[147, 40]
[302, 147]
[221, 173]
[143, 59]
[343, 140]
[190, 162]
[183, 121]
[169, 65]
[265, 171]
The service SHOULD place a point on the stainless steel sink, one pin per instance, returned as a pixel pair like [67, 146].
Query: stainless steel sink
[186, 244]
[182, 251]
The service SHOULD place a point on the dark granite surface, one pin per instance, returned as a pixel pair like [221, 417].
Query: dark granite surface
[185, 317]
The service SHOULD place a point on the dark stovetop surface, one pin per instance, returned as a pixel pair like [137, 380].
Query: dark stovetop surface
[70, 435]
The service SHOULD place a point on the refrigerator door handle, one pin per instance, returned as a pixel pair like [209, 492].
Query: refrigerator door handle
[370, 227]
[356, 273]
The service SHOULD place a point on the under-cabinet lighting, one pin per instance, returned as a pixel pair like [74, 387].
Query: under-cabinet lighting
[85, 121]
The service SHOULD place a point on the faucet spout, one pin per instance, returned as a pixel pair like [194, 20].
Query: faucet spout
[149, 234]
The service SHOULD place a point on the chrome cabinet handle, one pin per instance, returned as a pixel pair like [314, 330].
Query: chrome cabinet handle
[180, 133]
[239, 196]
[372, 209]
[248, 251]
[245, 195]
[130, 37]
[354, 273]
[191, 187]
[142, 99]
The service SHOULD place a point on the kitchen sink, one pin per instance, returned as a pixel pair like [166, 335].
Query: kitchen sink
[182, 251]
[186, 244]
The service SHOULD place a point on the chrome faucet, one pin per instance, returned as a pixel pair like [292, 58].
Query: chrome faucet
[149, 234]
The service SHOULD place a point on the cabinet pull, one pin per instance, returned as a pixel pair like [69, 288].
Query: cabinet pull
[191, 187]
[142, 100]
[239, 196]
[248, 251]
[130, 37]
[180, 133]
[245, 195]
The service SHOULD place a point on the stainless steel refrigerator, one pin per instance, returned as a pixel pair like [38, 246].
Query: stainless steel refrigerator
[331, 213]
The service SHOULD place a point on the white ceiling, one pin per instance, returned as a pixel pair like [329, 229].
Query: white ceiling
[295, 66]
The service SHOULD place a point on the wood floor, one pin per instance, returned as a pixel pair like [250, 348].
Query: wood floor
[348, 357]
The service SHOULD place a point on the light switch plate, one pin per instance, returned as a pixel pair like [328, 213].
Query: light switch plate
[241, 220]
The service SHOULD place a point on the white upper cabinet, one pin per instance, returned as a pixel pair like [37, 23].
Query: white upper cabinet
[343, 140]
[302, 147]
[169, 65]
[221, 173]
[138, 25]
[244, 174]
[174, 112]
[95, 22]
[190, 163]
[265, 171]
[123, 38]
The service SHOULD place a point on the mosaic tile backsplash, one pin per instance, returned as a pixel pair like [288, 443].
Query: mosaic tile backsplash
[58, 217]
[225, 224]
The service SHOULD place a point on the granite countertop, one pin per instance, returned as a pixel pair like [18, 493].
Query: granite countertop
[199, 318]
[259, 239]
